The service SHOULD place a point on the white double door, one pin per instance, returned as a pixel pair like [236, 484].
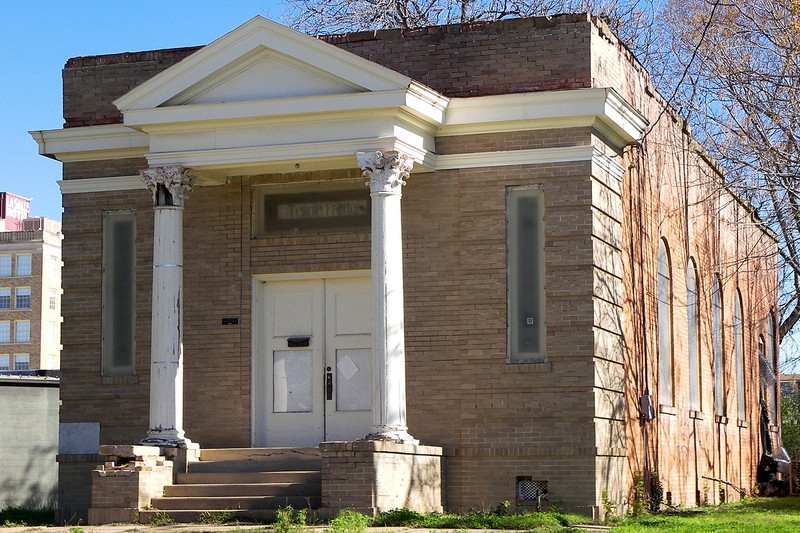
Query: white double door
[313, 372]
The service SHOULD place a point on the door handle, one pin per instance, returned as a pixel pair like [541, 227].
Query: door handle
[329, 384]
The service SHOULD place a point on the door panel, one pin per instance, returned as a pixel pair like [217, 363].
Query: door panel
[313, 371]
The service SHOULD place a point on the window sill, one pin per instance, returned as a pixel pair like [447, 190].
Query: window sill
[742, 424]
[119, 380]
[696, 415]
[528, 368]
[719, 419]
[667, 410]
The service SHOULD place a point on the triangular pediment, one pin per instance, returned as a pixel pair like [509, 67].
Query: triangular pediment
[258, 61]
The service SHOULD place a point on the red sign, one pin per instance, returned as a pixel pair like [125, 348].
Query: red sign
[14, 209]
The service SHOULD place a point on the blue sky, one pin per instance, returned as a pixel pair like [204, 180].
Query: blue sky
[37, 38]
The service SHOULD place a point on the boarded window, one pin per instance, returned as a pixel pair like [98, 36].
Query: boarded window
[525, 263]
[664, 326]
[119, 292]
[738, 345]
[716, 309]
[693, 336]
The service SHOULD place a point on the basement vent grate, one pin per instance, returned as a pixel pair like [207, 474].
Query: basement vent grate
[529, 490]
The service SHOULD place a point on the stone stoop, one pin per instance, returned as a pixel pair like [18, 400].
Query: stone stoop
[244, 482]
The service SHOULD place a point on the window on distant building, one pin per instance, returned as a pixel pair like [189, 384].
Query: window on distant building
[22, 361]
[693, 336]
[52, 332]
[738, 349]
[52, 300]
[119, 292]
[716, 310]
[55, 265]
[23, 298]
[664, 326]
[5, 266]
[5, 298]
[525, 264]
[5, 331]
[22, 331]
[5, 362]
[24, 265]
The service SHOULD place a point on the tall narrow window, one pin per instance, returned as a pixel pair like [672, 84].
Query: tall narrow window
[119, 292]
[664, 326]
[693, 335]
[24, 265]
[772, 357]
[5, 362]
[5, 331]
[23, 298]
[22, 331]
[5, 298]
[716, 309]
[5, 266]
[525, 263]
[22, 361]
[738, 348]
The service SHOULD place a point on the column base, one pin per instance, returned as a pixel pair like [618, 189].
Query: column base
[392, 434]
[167, 440]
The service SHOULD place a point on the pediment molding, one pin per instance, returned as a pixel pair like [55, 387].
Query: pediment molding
[247, 46]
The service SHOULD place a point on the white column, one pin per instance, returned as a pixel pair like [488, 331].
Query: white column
[387, 173]
[169, 186]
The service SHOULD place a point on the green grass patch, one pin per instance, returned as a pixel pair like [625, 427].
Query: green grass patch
[776, 515]
[544, 522]
[19, 517]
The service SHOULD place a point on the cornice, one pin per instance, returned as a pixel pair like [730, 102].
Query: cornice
[91, 143]
[603, 109]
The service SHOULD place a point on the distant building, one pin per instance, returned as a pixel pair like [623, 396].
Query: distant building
[30, 289]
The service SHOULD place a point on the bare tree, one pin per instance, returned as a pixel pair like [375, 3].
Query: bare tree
[734, 70]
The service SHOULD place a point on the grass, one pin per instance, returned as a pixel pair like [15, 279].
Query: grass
[544, 522]
[19, 517]
[776, 515]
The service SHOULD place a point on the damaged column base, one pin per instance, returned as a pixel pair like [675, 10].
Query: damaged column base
[127, 482]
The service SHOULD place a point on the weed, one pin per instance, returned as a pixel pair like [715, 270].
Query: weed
[76, 530]
[161, 518]
[609, 508]
[350, 522]
[287, 520]
[216, 517]
[21, 517]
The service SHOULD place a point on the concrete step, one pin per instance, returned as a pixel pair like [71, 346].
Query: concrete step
[235, 503]
[243, 489]
[291, 476]
[256, 460]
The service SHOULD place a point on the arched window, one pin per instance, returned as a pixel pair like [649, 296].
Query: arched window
[738, 348]
[692, 336]
[716, 310]
[664, 326]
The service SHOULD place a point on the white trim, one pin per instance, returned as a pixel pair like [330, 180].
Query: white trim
[342, 155]
[535, 156]
[89, 185]
[322, 274]
[602, 108]
[91, 143]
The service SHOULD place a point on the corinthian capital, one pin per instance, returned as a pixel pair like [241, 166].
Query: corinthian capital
[169, 185]
[386, 171]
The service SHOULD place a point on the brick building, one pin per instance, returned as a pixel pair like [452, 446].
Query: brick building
[30, 291]
[566, 252]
